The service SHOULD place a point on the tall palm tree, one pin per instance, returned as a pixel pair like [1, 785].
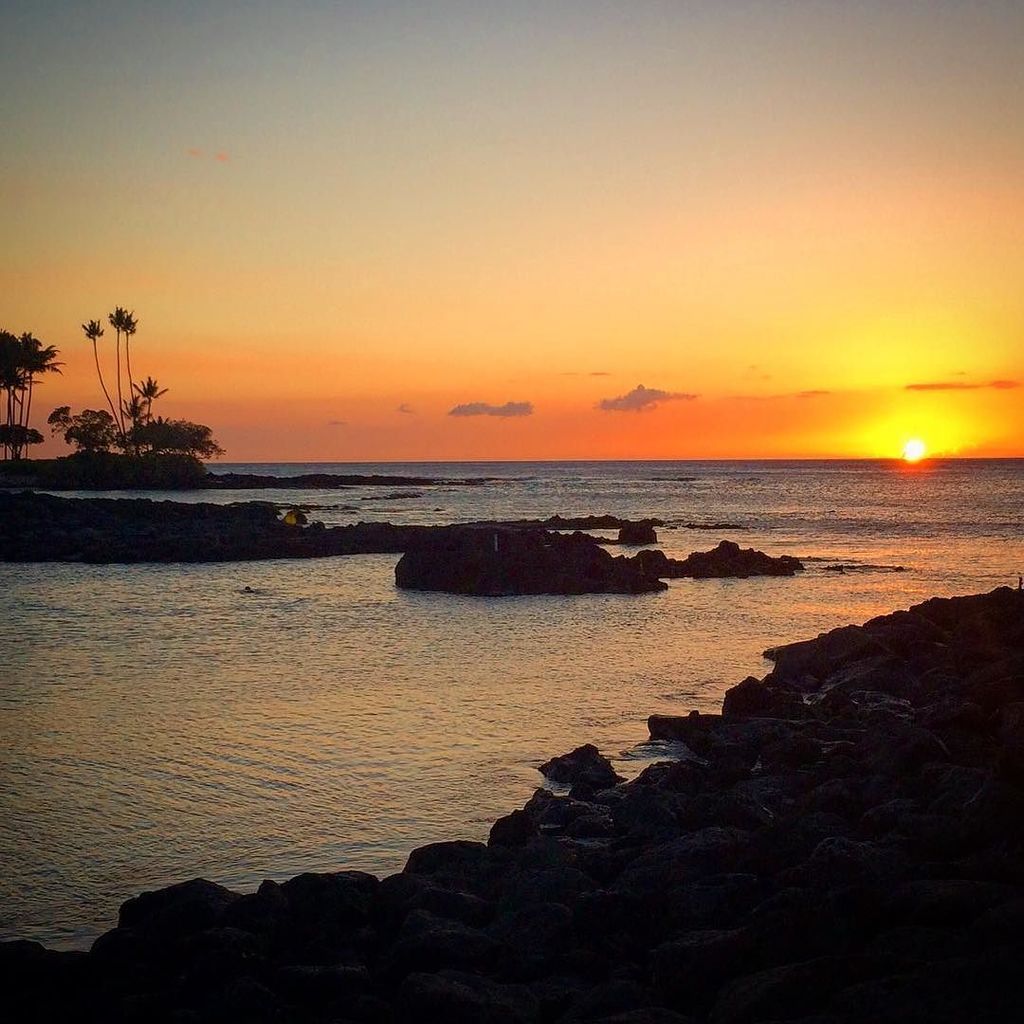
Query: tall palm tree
[21, 361]
[117, 321]
[149, 391]
[37, 359]
[129, 326]
[93, 331]
[12, 379]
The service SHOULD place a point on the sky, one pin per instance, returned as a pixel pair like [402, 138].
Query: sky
[552, 230]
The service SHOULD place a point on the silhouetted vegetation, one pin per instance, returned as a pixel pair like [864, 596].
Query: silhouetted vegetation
[128, 446]
[23, 360]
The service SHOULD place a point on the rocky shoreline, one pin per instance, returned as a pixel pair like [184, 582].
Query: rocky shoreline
[843, 843]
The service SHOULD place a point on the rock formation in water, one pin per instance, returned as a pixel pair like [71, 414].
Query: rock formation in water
[844, 843]
[727, 560]
[493, 563]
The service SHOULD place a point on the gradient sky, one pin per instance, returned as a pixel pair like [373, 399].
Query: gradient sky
[339, 222]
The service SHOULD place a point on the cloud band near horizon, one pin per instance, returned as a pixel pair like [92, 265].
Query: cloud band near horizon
[641, 399]
[509, 409]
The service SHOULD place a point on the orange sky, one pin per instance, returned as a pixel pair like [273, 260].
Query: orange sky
[327, 214]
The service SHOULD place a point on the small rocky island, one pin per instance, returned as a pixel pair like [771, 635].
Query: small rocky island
[843, 843]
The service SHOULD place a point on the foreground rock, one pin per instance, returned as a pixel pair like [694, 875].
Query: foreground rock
[495, 563]
[844, 843]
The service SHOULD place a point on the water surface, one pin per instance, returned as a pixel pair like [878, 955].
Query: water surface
[157, 722]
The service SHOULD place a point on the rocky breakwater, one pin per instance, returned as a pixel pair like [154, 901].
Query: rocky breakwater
[501, 562]
[45, 528]
[843, 843]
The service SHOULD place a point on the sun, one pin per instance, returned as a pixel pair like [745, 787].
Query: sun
[914, 450]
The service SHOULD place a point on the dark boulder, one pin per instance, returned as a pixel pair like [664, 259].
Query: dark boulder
[641, 532]
[178, 909]
[514, 829]
[585, 765]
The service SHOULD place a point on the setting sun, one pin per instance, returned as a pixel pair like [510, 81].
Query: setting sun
[914, 450]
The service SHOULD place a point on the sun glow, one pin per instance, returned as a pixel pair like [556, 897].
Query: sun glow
[914, 450]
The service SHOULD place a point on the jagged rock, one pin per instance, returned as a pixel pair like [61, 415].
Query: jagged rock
[584, 764]
[514, 829]
[641, 532]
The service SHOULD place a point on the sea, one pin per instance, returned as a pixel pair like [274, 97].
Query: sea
[256, 720]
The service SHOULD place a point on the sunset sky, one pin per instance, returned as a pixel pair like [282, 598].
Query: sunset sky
[481, 230]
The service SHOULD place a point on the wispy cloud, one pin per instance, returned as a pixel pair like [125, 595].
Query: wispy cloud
[813, 393]
[485, 409]
[406, 409]
[337, 423]
[641, 399]
[196, 153]
[963, 385]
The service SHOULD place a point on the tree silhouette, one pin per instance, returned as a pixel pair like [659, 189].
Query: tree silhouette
[149, 391]
[22, 361]
[119, 321]
[93, 331]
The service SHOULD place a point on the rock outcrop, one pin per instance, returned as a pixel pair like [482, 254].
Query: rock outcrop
[727, 560]
[844, 843]
[496, 563]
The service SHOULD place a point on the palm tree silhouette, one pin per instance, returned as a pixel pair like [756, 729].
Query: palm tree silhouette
[36, 359]
[117, 321]
[21, 360]
[129, 325]
[149, 391]
[93, 331]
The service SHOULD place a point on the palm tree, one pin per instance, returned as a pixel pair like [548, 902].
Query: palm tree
[12, 380]
[36, 359]
[129, 325]
[135, 410]
[149, 391]
[93, 331]
[21, 360]
[117, 321]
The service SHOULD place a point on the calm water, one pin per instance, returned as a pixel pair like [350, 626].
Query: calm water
[157, 723]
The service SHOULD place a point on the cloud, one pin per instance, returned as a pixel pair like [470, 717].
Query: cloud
[591, 373]
[960, 385]
[337, 423]
[641, 399]
[483, 409]
[599, 373]
[200, 154]
[407, 409]
[813, 393]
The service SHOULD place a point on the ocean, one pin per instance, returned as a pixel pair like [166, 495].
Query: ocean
[161, 722]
